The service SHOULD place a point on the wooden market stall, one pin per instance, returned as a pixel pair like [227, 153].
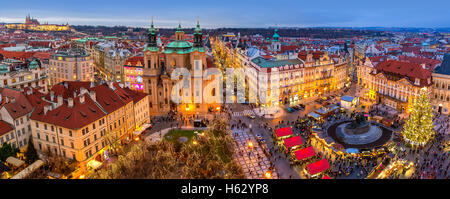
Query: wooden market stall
[304, 153]
[317, 168]
[283, 133]
[292, 143]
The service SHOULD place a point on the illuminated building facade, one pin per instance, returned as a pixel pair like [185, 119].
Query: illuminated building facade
[34, 25]
[134, 71]
[81, 120]
[397, 84]
[440, 98]
[159, 64]
[73, 65]
[19, 75]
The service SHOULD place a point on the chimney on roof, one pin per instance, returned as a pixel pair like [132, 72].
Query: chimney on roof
[29, 91]
[13, 100]
[46, 109]
[59, 101]
[92, 85]
[92, 95]
[81, 99]
[424, 66]
[70, 102]
[74, 94]
[111, 85]
[83, 91]
[66, 85]
[52, 96]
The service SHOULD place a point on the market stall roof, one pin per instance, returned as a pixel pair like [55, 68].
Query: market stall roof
[304, 153]
[14, 161]
[318, 166]
[293, 141]
[326, 177]
[94, 164]
[24, 173]
[347, 98]
[283, 131]
[352, 150]
[314, 115]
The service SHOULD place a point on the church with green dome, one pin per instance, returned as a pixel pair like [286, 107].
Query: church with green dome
[182, 51]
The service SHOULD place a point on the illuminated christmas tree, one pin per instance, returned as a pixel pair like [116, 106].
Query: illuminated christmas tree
[419, 128]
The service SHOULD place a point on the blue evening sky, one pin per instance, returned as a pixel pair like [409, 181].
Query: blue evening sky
[233, 13]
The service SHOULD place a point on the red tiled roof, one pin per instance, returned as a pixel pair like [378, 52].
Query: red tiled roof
[411, 70]
[125, 96]
[107, 98]
[5, 127]
[20, 107]
[80, 115]
[431, 63]
[137, 96]
[133, 61]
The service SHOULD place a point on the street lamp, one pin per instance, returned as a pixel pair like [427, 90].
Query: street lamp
[250, 145]
[268, 175]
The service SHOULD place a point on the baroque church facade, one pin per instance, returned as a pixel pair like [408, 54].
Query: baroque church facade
[160, 62]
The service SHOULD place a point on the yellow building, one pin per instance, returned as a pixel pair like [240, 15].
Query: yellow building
[397, 84]
[80, 120]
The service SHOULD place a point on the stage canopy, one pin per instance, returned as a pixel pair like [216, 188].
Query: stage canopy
[318, 166]
[293, 141]
[286, 131]
[304, 153]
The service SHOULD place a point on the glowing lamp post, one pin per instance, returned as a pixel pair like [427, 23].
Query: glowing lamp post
[250, 146]
[268, 175]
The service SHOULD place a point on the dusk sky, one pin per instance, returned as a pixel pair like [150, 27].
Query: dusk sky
[231, 13]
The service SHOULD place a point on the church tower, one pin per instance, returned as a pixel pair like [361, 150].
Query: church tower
[152, 49]
[276, 44]
[198, 36]
[179, 33]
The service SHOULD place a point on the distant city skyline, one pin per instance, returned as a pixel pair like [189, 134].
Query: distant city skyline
[239, 14]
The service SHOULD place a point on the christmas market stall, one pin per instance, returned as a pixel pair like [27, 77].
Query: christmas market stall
[313, 170]
[303, 154]
[326, 177]
[283, 133]
[292, 143]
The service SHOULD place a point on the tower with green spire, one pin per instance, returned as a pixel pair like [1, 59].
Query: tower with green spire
[276, 44]
[179, 33]
[152, 39]
[198, 36]
[275, 36]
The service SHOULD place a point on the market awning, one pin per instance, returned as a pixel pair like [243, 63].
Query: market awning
[24, 173]
[94, 164]
[293, 141]
[352, 150]
[314, 115]
[318, 166]
[347, 98]
[304, 153]
[14, 161]
[283, 132]
[326, 177]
